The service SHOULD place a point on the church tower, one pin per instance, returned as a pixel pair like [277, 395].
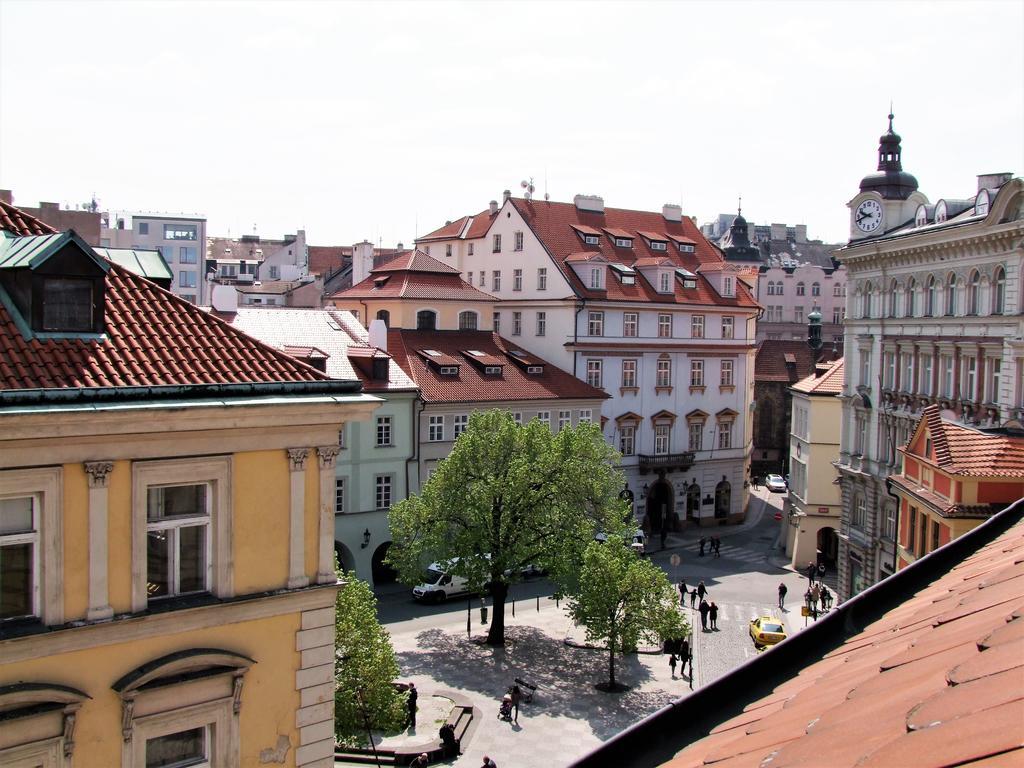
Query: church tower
[888, 198]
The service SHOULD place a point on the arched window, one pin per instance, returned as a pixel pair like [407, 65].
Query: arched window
[723, 498]
[910, 299]
[974, 293]
[894, 293]
[867, 299]
[929, 297]
[999, 291]
[426, 320]
[467, 321]
[800, 290]
[951, 295]
[383, 314]
[815, 289]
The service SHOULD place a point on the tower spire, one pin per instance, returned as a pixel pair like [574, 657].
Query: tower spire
[739, 206]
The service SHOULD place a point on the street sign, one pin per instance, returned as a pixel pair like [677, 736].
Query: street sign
[674, 560]
[805, 611]
[778, 515]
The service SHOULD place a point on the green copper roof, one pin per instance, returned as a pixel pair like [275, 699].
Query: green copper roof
[31, 251]
[147, 263]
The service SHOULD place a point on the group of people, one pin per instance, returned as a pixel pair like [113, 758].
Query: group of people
[708, 610]
[685, 656]
[817, 594]
[713, 545]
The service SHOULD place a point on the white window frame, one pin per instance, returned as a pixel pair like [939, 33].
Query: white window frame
[594, 372]
[435, 428]
[517, 323]
[383, 490]
[696, 373]
[664, 325]
[627, 439]
[595, 324]
[517, 244]
[544, 417]
[32, 538]
[496, 243]
[724, 435]
[596, 274]
[586, 416]
[696, 435]
[385, 436]
[542, 323]
[496, 280]
[216, 471]
[728, 327]
[665, 281]
[460, 423]
[697, 326]
[662, 439]
[564, 420]
[517, 277]
[663, 377]
[630, 324]
[217, 716]
[726, 377]
[629, 374]
[542, 278]
[339, 495]
[173, 526]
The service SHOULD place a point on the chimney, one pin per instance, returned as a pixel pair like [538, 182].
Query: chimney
[801, 233]
[379, 335]
[593, 203]
[778, 232]
[506, 195]
[494, 207]
[362, 261]
[224, 298]
[6, 196]
[988, 180]
[672, 212]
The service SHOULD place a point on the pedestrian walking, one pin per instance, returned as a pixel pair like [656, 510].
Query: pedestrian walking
[703, 542]
[684, 656]
[815, 597]
[517, 696]
[693, 598]
[411, 703]
[718, 546]
[701, 590]
[713, 614]
[421, 762]
[704, 608]
[672, 661]
[782, 595]
[826, 598]
[811, 570]
[682, 592]
[488, 763]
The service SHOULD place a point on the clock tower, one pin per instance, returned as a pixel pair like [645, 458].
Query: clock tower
[888, 198]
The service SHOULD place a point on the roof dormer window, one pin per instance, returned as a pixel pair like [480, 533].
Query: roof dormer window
[623, 242]
[981, 203]
[657, 245]
[68, 305]
[665, 282]
[626, 275]
[592, 239]
[596, 278]
[535, 369]
[686, 248]
[449, 370]
[492, 370]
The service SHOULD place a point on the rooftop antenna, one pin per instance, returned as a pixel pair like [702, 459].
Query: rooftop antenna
[739, 207]
[546, 195]
[528, 186]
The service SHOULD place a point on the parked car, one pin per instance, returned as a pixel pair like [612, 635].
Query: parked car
[775, 484]
[637, 541]
[438, 584]
[766, 630]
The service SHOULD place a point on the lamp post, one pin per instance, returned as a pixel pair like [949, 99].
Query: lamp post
[814, 335]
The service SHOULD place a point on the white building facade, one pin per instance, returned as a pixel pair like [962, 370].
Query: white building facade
[935, 317]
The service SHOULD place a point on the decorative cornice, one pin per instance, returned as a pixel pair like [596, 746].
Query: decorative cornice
[297, 458]
[98, 472]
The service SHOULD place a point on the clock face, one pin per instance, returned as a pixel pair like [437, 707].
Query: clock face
[868, 216]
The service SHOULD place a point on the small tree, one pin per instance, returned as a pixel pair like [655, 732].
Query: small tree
[623, 599]
[506, 497]
[364, 668]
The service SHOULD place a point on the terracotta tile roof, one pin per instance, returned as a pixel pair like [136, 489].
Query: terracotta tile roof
[332, 332]
[829, 380]
[18, 222]
[471, 384]
[925, 669]
[448, 231]
[153, 338]
[414, 275]
[961, 450]
[328, 259]
[770, 364]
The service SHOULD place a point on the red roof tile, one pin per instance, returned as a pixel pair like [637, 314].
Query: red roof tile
[770, 364]
[414, 261]
[17, 222]
[961, 450]
[448, 231]
[471, 384]
[414, 275]
[827, 381]
[153, 338]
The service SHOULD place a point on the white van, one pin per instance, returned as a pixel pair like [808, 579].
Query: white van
[637, 542]
[439, 583]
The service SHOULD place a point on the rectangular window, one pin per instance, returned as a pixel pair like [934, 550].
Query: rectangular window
[664, 376]
[860, 437]
[496, 244]
[665, 326]
[727, 327]
[595, 277]
[435, 429]
[564, 419]
[946, 366]
[665, 282]
[167, 251]
[143, 227]
[727, 286]
[470, 252]
[629, 373]
[837, 315]
[798, 315]
[865, 368]
[911, 529]
[19, 557]
[661, 439]
[890, 522]
[542, 323]
[469, 278]
[275, 272]
[935, 536]
[586, 416]
[726, 378]
[995, 368]
[544, 417]
[483, 278]
[180, 232]
[725, 434]
[187, 278]
[889, 374]
[448, 249]
[184, 748]
[67, 304]
[517, 279]
[496, 279]
[595, 324]
[697, 326]
[696, 373]
[907, 372]
[177, 540]
[383, 431]
[517, 323]
[630, 321]
[594, 373]
[696, 435]
[460, 423]
[518, 245]
[518, 419]
[339, 496]
[496, 317]
[382, 495]
[187, 254]
[969, 379]
[925, 385]
[542, 278]
[627, 440]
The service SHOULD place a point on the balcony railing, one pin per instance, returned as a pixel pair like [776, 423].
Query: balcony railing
[666, 461]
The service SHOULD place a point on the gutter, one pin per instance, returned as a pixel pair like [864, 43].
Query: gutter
[575, 335]
[414, 460]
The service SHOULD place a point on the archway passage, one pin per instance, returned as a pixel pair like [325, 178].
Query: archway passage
[828, 546]
[659, 507]
[346, 561]
[693, 502]
[382, 572]
[723, 498]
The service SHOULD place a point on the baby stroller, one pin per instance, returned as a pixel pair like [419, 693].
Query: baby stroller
[505, 711]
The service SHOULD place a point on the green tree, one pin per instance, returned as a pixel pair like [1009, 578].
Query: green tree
[506, 497]
[623, 599]
[364, 668]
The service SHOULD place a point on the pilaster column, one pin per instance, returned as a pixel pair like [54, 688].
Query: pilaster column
[327, 455]
[297, 538]
[99, 597]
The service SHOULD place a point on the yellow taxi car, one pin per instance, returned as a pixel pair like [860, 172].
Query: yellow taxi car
[766, 630]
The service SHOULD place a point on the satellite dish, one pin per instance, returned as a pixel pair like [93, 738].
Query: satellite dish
[523, 184]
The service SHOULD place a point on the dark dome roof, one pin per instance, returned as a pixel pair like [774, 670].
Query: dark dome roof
[891, 185]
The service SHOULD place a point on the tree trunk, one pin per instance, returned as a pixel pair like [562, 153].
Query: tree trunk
[496, 632]
[611, 661]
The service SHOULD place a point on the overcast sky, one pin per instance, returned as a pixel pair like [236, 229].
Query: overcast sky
[383, 120]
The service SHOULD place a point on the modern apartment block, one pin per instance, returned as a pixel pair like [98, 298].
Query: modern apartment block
[180, 239]
[935, 318]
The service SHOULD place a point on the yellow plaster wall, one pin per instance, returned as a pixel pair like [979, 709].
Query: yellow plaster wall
[403, 312]
[76, 542]
[262, 513]
[119, 537]
[269, 698]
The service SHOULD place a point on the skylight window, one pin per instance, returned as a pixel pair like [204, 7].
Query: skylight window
[431, 352]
